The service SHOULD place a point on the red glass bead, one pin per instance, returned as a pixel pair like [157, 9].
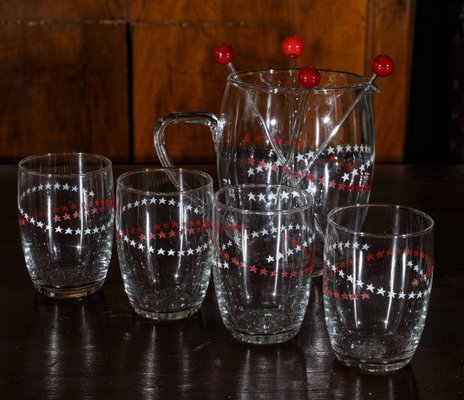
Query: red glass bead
[382, 65]
[292, 46]
[223, 54]
[309, 77]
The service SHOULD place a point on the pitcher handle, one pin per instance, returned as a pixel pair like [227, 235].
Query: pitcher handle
[190, 118]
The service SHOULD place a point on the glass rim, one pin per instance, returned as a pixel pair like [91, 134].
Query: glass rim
[23, 168]
[234, 78]
[140, 171]
[308, 206]
[426, 217]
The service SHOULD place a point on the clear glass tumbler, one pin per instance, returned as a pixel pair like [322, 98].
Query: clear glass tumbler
[66, 219]
[377, 278]
[263, 241]
[163, 223]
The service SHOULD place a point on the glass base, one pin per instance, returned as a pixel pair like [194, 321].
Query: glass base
[373, 367]
[265, 339]
[69, 293]
[167, 316]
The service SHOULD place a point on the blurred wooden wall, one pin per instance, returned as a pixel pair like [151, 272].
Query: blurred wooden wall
[94, 75]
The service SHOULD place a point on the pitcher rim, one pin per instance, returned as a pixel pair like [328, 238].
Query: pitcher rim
[233, 78]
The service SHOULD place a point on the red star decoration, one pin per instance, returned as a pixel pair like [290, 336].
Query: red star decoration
[157, 227]
[175, 224]
[262, 163]
[354, 296]
[251, 161]
[234, 260]
[415, 282]
[152, 236]
[332, 158]
[379, 254]
[344, 296]
[310, 177]
[166, 225]
[286, 171]
[275, 167]
[298, 174]
[341, 186]
[399, 252]
[337, 295]
[365, 296]
[172, 233]
[162, 235]
[416, 253]
[389, 253]
[242, 265]
[142, 237]
[257, 138]
[370, 257]
[284, 274]
[76, 214]
[342, 265]
[56, 210]
[66, 217]
[56, 218]
[332, 184]
[191, 231]
[409, 252]
[294, 274]
[253, 268]
[73, 206]
[274, 273]
[247, 139]
[226, 256]
[263, 271]
[321, 181]
[65, 208]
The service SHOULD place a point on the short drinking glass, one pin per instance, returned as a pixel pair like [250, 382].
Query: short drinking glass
[163, 221]
[263, 241]
[378, 267]
[66, 219]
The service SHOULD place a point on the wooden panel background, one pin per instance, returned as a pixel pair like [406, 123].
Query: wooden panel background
[96, 75]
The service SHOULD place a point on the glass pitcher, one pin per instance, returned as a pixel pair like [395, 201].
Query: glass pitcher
[272, 131]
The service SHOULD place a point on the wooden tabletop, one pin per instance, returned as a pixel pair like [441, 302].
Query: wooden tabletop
[97, 348]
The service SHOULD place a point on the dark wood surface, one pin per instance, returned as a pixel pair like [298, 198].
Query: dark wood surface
[97, 348]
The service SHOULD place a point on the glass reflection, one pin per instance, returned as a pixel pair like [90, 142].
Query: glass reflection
[69, 338]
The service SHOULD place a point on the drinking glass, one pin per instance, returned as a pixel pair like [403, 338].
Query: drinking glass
[66, 219]
[163, 222]
[271, 131]
[263, 243]
[378, 268]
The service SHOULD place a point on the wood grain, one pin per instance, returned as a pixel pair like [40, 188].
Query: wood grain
[64, 84]
[96, 76]
[390, 31]
[174, 69]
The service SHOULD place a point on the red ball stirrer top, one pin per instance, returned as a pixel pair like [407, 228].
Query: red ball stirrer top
[382, 65]
[224, 54]
[292, 47]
